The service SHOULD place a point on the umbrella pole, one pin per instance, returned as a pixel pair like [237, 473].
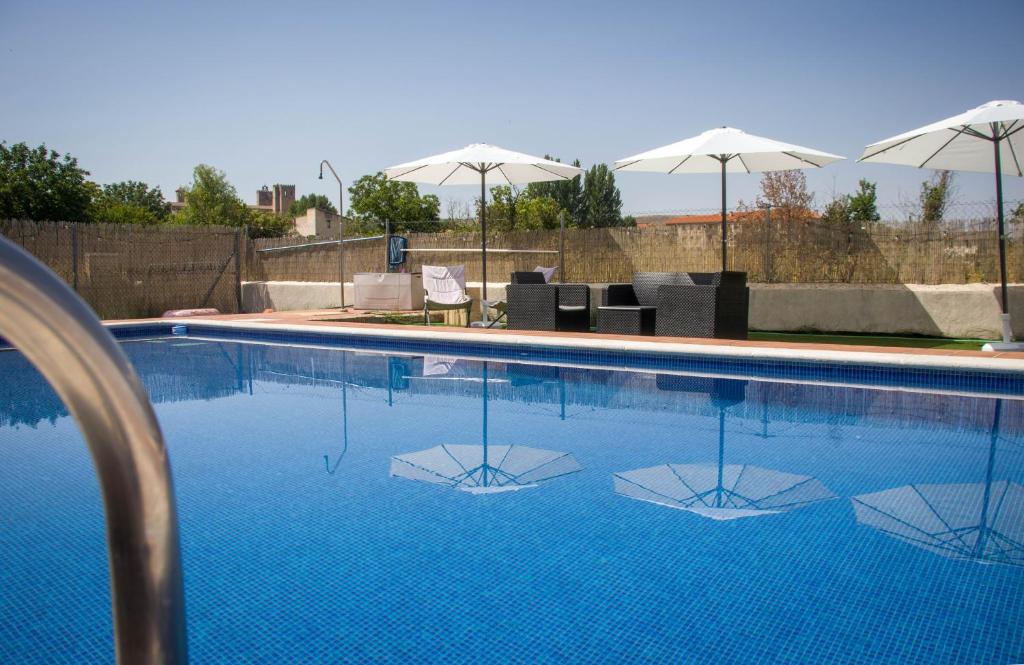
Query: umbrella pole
[1007, 331]
[723, 160]
[483, 244]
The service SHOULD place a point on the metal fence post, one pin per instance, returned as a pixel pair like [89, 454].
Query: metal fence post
[561, 248]
[341, 264]
[74, 256]
[238, 267]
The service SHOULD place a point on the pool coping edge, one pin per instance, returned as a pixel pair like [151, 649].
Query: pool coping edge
[874, 358]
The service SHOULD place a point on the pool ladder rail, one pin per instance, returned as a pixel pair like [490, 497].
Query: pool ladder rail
[62, 337]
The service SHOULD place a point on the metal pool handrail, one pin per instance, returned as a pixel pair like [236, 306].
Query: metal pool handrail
[61, 336]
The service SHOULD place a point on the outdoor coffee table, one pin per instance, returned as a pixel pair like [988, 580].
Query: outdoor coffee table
[626, 320]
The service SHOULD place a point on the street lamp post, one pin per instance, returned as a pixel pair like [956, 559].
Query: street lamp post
[341, 227]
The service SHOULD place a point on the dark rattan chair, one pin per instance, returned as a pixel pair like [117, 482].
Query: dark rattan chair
[528, 277]
[548, 307]
[677, 304]
[524, 277]
[716, 305]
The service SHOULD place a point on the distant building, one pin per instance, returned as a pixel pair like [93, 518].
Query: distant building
[319, 223]
[179, 199]
[277, 200]
[647, 221]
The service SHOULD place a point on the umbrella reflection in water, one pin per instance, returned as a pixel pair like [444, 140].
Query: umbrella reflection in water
[719, 491]
[981, 522]
[479, 469]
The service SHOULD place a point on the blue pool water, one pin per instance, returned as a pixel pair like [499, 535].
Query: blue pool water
[658, 517]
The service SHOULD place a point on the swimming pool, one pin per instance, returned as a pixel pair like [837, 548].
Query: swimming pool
[338, 506]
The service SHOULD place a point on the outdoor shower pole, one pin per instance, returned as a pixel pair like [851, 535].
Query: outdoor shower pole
[341, 227]
[723, 159]
[1007, 332]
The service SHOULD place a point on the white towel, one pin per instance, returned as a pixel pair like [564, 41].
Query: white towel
[445, 285]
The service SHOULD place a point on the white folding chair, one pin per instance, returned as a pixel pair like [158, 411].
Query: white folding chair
[445, 288]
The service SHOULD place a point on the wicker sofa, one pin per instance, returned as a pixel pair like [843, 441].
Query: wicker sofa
[677, 304]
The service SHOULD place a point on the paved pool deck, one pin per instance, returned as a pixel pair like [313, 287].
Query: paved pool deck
[315, 320]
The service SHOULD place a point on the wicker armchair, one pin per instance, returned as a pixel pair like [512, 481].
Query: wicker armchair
[501, 306]
[677, 304]
[548, 307]
[716, 305]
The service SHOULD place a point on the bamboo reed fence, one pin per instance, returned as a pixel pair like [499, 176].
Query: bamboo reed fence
[136, 271]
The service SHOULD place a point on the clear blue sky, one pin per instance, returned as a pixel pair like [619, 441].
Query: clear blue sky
[146, 90]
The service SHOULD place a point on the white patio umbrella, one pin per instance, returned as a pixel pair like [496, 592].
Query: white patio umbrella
[726, 149]
[986, 139]
[483, 163]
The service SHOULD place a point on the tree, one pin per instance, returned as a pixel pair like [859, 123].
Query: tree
[39, 184]
[936, 194]
[787, 191]
[375, 198]
[133, 192]
[863, 205]
[129, 202]
[113, 212]
[837, 213]
[211, 199]
[853, 210]
[304, 203]
[539, 212]
[264, 224]
[503, 210]
[602, 203]
[568, 194]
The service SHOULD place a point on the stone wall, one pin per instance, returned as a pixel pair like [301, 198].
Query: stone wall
[947, 310]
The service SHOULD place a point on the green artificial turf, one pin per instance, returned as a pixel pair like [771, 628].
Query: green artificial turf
[405, 318]
[871, 340]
